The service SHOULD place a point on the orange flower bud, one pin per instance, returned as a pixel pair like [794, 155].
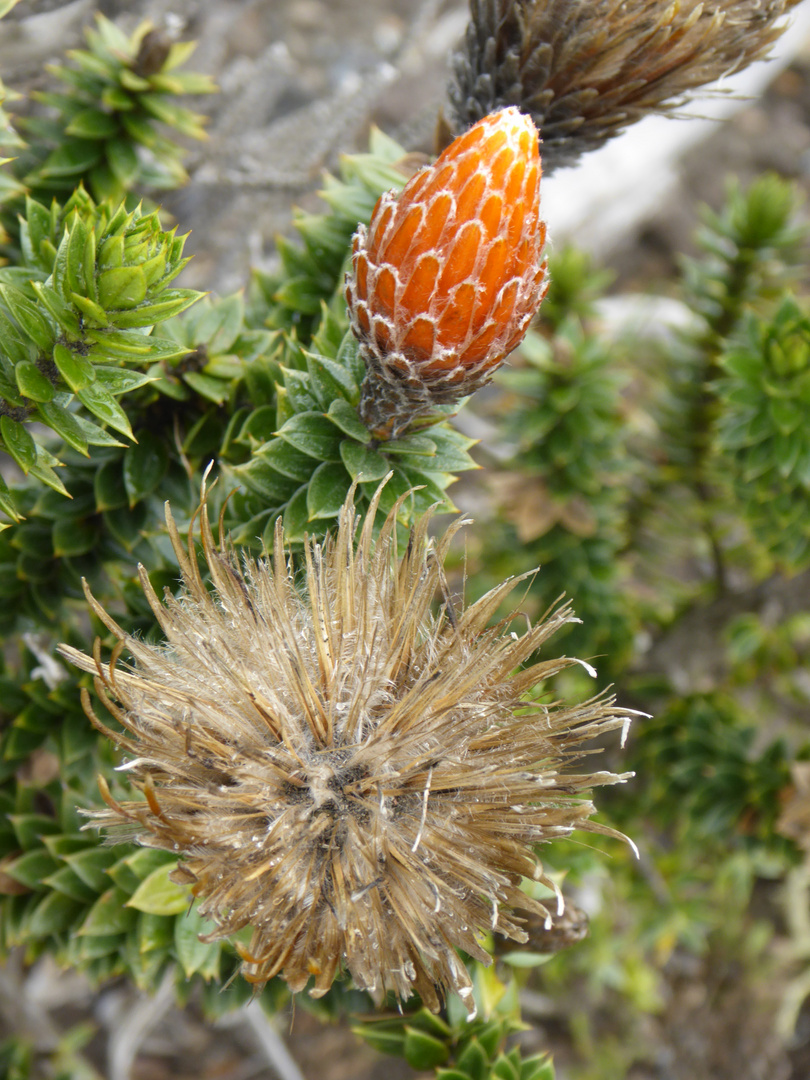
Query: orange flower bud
[448, 275]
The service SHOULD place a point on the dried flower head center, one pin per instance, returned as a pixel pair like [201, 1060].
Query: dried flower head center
[331, 785]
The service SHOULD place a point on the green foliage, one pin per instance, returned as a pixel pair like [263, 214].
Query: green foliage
[111, 120]
[575, 285]
[109, 911]
[217, 349]
[564, 490]
[693, 499]
[683, 451]
[458, 1048]
[775, 652]
[700, 753]
[105, 910]
[99, 283]
[22, 1059]
[308, 448]
[752, 250]
[762, 429]
[11, 190]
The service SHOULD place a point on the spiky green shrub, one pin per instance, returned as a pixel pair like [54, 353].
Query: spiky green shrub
[567, 481]
[110, 122]
[310, 446]
[562, 489]
[699, 752]
[94, 284]
[762, 428]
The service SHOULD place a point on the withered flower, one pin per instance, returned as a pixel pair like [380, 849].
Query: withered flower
[359, 779]
[449, 273]
[586, 69]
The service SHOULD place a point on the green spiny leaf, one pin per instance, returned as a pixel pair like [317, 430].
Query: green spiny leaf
[65, 424]
[55, 914]
[157, 895]
[313, 434]
[145, 465]
[363, 463]
[423, 1051]
[18, 442]
[102, 404]
[123, 287]
[32, 383]
[77, 371]
[72, 537]
[29, 869]
[195, 955]
[92, 124]
[327, 491]
[91, 866]
[109, 915]
[68, 883]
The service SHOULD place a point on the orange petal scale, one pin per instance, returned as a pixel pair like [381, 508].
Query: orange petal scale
[419, 340]
[382, 335]
[492, 275]
[455, 319]
[418, 182]
[481, 345]
[461, 258]
[438, 216]
[469, 138]
[504, 307]
[380, 224]
[491, 214]
[442, 180]
[466, 168]
[499, 167]
[399, 244]
[515, 226]
[513, 189]
[470, 198]
[384, 290]
[521, 258]
[361, 270]
[533, 183]
[416, 296]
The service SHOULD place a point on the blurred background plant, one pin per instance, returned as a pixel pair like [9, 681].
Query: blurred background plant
[656, 468]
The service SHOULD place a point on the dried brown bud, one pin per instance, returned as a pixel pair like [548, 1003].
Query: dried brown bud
[586, 69]
[360, 780]
[551, 935]
[153, 53]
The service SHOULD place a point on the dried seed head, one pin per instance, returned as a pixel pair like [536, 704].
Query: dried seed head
[358, 779]
[586, 69]
[449, 274]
